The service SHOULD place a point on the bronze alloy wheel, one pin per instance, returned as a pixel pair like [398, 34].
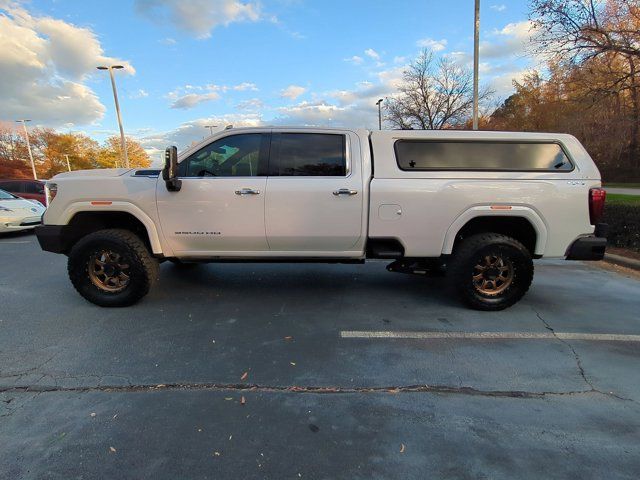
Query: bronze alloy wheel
[108, 271]
[492, 275]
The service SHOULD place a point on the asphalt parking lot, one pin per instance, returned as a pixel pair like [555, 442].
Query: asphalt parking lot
[272, 371]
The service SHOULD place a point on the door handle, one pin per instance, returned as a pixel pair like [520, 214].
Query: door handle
[345, 191]
[247, 191]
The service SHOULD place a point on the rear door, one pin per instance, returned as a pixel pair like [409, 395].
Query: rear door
[315, 195]
[219, 210]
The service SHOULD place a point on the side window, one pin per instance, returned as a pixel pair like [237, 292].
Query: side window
[33, 187]
[481, 155]
[232, 156]
[13, 187]
[311, 154]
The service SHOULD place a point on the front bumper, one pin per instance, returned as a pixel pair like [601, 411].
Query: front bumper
[591, 247]
[14, 224]
[53, 238]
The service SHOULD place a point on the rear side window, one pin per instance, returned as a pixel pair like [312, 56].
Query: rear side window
[310, 154]
[11, 186]
[501, 156]
[33, 187]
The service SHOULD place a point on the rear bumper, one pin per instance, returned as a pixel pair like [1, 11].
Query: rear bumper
[591, 247]
[53, 238]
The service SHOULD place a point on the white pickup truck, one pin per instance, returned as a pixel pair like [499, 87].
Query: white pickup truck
[477, 206]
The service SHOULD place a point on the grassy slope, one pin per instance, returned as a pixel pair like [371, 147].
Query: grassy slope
[617, 199]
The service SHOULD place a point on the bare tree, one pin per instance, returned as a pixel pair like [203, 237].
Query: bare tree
[435, 94]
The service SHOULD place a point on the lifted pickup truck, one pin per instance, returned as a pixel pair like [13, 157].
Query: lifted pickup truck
[478, 206]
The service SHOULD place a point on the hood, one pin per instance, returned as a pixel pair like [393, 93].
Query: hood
[97, 172]
[20, 207]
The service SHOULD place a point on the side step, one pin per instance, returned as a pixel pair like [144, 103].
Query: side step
[417, 266]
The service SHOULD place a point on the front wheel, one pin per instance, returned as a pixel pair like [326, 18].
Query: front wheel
[490, 271]
[112, 268]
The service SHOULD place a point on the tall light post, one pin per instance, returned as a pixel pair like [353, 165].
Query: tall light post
[379, 103]
[211, 127]
[123, 142]
[26, 135]
[476, 55]
[68, 164]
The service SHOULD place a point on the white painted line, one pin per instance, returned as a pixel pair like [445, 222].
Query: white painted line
[594, 337]
[9, 241]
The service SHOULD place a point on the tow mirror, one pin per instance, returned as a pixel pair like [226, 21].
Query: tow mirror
[170, 170]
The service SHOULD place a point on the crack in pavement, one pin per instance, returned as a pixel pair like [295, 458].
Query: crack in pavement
[437, 389]
[578, 360]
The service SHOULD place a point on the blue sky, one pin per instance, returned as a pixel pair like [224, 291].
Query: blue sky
[197, 62]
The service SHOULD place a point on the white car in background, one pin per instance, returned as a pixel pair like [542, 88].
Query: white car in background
[19, 214]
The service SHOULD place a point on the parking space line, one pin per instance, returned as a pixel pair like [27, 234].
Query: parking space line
[14, 242]
[593, 337]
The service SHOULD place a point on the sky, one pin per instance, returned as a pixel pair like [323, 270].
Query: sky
[191, 63]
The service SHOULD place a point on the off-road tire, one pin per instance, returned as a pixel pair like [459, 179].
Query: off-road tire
[460, 270]
[143, 268]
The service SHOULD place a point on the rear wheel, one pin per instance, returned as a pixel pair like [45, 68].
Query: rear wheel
[490, 271]
[112, 268]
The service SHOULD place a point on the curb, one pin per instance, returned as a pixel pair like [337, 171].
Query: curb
[623, 261]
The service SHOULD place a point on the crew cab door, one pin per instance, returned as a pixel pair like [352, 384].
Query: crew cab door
[219, 211]
[315, 195]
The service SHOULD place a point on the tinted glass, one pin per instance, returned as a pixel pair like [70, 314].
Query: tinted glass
[33, 187]
[311, 154]
[233, 156]
[423, 155]
[10, 186]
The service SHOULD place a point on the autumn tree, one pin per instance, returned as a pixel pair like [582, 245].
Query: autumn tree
[435, 94]
[603, 38]
[110, 154]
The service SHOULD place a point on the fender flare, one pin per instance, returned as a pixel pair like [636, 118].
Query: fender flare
[491, 211]
[115, 206]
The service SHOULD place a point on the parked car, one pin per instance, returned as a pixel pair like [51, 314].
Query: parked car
[18, 213]
[480, 205]
[25, 188]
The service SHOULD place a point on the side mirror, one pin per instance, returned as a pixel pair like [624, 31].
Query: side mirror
[170, 170]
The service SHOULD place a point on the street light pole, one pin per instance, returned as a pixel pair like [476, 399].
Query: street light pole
[123, 142]
[26, 135]
[379, 103]
[476, 55]
[68, 164]
[210, 127]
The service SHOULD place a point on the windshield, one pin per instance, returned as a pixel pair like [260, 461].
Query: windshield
[6, 196]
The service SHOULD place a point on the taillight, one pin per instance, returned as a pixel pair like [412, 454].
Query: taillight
[51, 189]
[597, 198]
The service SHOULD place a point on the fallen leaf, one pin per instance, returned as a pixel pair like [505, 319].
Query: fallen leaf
[288, 338]
[244, 376]
[228, 398]
[115, 415]
[112, 450]
[162, 385]
[402, 448]
[293, 363]
[230, 437]
[242, 400]
[93, 414]
[217, 454]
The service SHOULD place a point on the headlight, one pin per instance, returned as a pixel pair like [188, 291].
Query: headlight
[51, 189]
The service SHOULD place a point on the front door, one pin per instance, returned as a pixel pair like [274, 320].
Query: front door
[219, 211]
[315, 195]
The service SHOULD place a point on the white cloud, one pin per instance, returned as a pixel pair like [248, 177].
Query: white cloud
[168, 41]
[499, 8]
[190, 96]
[510, 41]
[140, 93]
[371, 53]
[45, 63]
[431, 44]
[251, 104]
[292, 91]
[356, 60]
[200, 17]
